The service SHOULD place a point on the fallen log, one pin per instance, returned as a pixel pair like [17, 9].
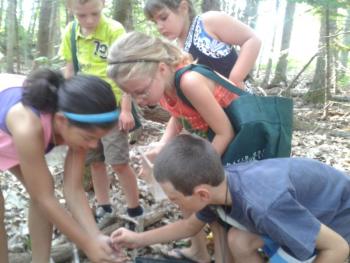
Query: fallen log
[63, 252]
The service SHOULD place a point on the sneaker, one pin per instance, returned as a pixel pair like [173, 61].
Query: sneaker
[135, 224]
[104, 218]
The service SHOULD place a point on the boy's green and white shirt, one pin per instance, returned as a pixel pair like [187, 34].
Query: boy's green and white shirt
[92, 50]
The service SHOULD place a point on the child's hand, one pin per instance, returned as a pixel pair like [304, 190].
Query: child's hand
[124, 238]
[100, 250]
[126, 121]
[154, 151]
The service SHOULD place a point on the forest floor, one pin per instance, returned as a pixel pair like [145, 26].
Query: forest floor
[326, 139]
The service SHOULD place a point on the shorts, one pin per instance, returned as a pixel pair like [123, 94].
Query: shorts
[112, 149]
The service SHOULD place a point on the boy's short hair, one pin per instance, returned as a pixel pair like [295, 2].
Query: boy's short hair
[70, 3]
[188, 161]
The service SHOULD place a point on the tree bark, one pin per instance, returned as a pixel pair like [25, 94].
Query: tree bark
[44, 44]
[269, 63]
[281, 67]
[344, 54]
[123, 13]
[319, 76]
[211, 5]
[11, 35]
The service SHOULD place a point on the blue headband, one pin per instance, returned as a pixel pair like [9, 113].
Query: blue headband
[93, 118]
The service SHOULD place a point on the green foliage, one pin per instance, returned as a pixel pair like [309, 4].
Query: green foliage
[344, 82]
[44, 62]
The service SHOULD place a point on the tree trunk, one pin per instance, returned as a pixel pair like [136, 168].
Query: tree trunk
[55, 32]
[1, 8]
[11, 35]
[44, 44]
[211, 5]
[33, 20]
[250, 13]
[333, 52]
[281, 67]
[328, 63]
[269, 63]
[316, 91]
[344, 54]
[123, 13]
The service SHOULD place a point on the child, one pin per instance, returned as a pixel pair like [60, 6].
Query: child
[48, 111]
[94, 35]
[302, 204]
[208, 37]
[144, 67]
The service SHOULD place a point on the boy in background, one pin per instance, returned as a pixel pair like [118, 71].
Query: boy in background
[94, 34]
[301, 204]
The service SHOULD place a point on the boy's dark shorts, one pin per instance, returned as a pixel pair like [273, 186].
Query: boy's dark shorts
[113, 149]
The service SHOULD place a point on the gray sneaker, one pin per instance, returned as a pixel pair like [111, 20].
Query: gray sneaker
[104, 218]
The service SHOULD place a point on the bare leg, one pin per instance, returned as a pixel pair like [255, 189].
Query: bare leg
[128, 183]
[40, 230]
[100, 182]
[244, 246]
[222, 251]
[3, 237]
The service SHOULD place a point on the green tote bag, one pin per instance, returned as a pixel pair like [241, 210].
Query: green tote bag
[262, 125]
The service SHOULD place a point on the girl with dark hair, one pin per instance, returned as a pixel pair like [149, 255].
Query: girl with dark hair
[208, 37]
[36, 115]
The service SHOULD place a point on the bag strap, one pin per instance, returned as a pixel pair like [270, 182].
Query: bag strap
[74, 48]
[209, 73]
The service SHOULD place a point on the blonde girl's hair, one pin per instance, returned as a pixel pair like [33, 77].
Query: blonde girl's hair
[153, 6]
[136, 55]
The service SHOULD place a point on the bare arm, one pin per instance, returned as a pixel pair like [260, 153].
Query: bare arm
[172, 129]
[74, 191]
[126, 120]
[231, 31]
[175, 231]
[27, 133]
[199, 91]
[69, 70]
[331, 247]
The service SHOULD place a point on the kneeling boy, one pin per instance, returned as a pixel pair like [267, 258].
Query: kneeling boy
[301, 204]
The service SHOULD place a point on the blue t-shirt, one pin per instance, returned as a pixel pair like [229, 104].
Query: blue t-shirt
[288, 199]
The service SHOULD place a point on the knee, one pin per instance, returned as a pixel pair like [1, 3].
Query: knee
[122, 169]
[242, 242]
[97, 166]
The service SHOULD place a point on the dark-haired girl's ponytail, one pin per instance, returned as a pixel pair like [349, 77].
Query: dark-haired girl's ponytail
[41, 90]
